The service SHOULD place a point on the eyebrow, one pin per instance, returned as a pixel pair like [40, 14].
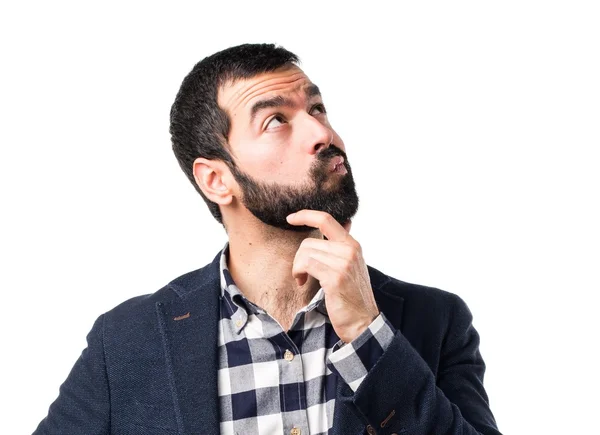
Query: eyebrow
[279, 101]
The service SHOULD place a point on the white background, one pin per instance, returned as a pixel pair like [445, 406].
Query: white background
[472, 128]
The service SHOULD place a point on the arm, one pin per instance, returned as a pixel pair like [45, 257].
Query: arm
[83, 405]
[401, 392]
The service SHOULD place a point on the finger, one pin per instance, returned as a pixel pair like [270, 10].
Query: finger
[304, 264]
[328, 226]
[339, 249]
[333, 262]
[318, 270]
[299, 268]
[299, 273]
[300, 265]
[346, 225]
[301, 279]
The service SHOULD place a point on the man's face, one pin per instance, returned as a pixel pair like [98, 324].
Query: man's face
[287, 155]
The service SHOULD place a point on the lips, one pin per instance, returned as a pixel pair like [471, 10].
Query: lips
[336, 164]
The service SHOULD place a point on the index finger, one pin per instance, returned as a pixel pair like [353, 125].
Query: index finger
[328, 226]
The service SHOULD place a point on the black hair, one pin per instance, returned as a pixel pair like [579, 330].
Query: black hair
[199, 127]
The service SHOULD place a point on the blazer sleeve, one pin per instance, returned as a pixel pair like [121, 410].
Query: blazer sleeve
[83, 405]
[401, 393]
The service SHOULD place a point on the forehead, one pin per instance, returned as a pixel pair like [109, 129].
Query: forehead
[235, 96]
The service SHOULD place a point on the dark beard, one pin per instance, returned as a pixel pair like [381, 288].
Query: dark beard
[272, 203]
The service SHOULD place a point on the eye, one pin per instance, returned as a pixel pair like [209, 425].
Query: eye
[274, 122]
[320, 107]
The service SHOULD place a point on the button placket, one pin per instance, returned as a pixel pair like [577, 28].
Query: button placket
[293, 372]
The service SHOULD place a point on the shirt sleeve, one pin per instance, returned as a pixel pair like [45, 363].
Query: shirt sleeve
[352, 361]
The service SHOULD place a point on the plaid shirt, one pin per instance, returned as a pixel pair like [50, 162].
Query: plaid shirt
[273, 382]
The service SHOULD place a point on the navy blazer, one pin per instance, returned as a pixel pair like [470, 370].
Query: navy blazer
[150, 367]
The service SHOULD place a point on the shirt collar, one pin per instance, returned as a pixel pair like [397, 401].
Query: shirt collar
[240, 308]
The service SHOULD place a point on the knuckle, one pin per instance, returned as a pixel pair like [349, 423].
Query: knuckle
[354, 257]
[336, 280]
[353, 251]
[347, 267]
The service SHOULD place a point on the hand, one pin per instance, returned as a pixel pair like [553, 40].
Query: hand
[338, 265]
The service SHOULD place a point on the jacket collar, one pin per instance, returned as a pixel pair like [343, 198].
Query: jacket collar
[188, 323]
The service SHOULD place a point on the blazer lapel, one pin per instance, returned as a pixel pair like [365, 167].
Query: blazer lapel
[346, 418]
[189, 327]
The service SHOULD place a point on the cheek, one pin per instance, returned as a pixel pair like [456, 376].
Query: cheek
[289, 166]
[271, 164]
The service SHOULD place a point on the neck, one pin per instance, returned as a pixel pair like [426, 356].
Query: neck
[260, 263]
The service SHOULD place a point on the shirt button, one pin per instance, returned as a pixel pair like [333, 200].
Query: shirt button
[370, 430]
[288, 357]
[295, 431]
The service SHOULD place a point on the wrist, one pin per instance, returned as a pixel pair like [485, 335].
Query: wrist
[358, 328]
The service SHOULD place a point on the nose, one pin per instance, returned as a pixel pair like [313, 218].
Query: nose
[318, 135]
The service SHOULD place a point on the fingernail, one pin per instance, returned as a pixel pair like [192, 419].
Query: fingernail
[291, 215]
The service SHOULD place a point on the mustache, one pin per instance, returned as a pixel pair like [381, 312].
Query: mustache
[319, 171]
[330, 152]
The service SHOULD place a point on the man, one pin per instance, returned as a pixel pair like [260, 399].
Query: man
[287, 331]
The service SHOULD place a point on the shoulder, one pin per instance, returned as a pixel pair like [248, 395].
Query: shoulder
[418, 300]
[414, 292]
[141, 310]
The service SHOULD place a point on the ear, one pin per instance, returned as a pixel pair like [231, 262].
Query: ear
[212, 176]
